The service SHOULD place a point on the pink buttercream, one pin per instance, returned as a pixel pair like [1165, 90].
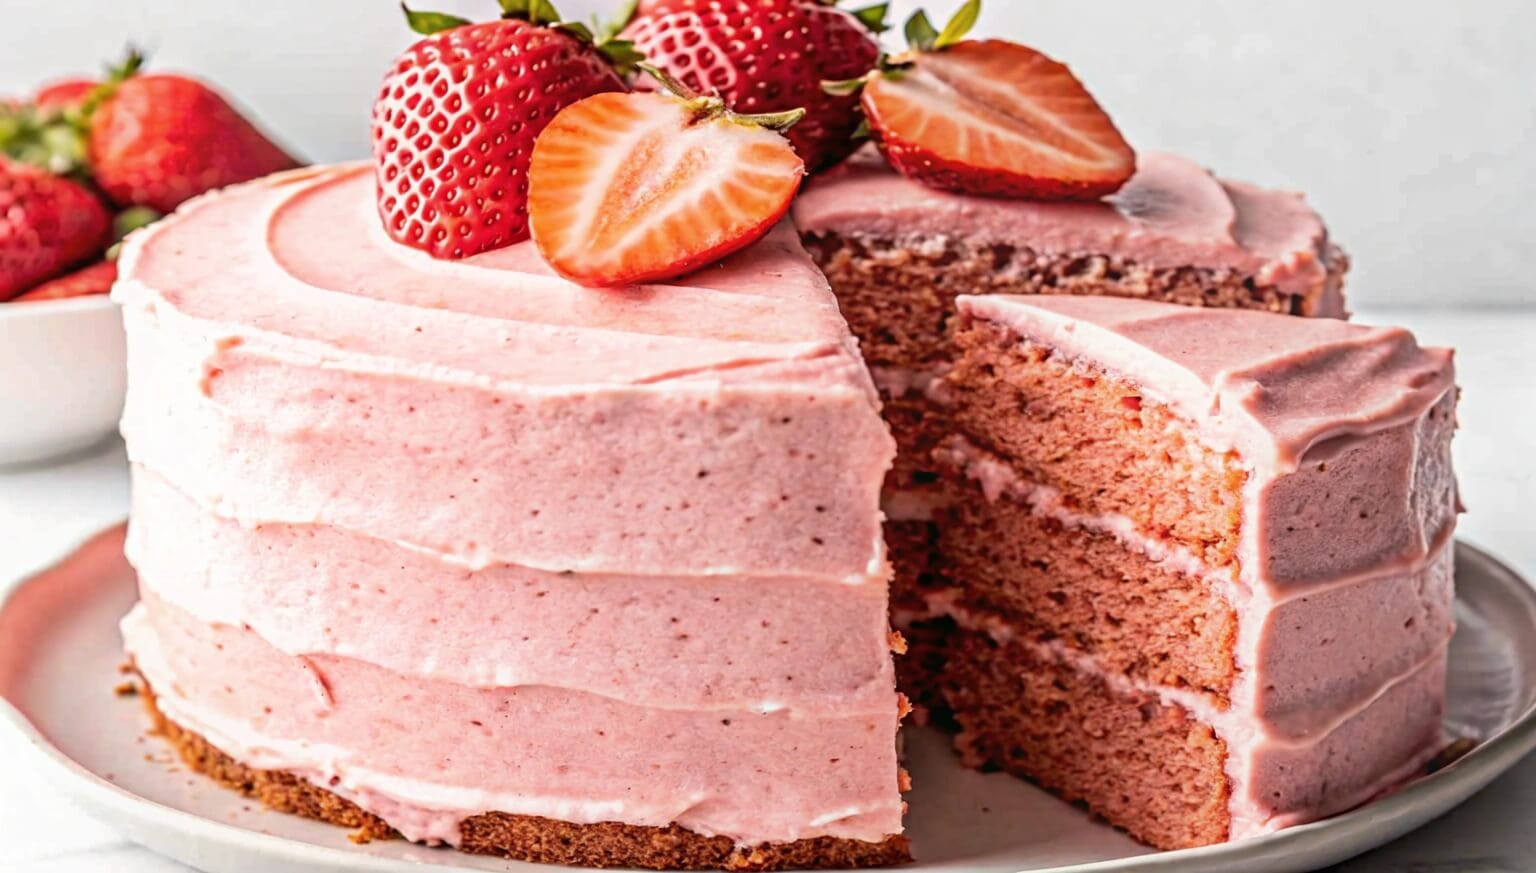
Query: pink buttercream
[1172, 213]
[429, 753]
[300, 390]
[1344, 580]
[814, 646]
[450, 519]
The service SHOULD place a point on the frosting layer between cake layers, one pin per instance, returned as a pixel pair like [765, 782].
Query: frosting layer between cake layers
[1343, 580]
[457, 537]
[1172, 214]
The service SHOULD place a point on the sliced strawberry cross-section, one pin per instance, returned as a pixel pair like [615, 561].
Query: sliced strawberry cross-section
[995, 118]
[631, 188]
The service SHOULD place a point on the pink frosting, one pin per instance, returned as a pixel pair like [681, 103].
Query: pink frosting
[427, 753]
[300, 389]
[1344, 580]
[1172, 213]
[389, 497]
[648, 640]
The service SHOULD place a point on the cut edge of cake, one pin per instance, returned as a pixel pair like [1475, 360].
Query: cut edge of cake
[1195, 734]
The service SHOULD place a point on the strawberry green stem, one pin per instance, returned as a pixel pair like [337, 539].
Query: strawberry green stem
[674, 85]
[707, 106]
[777, 121]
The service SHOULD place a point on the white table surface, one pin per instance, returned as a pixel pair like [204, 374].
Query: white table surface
[44, 510]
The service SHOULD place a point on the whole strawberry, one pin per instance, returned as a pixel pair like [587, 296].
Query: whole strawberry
[456, 119]
[84, 282]
[64, 94]
[160, 139]
[47, 224]
[766, 56]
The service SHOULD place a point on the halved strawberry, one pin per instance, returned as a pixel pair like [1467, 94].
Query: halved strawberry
[630, 188]
[994, 117]
[989, 117]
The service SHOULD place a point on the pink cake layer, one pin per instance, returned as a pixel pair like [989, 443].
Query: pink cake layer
[1172, 213]
[418, 529]
[1345, 429]
[424, 754]
[322, 348]
[1344, 581]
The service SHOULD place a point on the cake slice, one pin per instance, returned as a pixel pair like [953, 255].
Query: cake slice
[1195, 567]
[898, 253]
[465, 552]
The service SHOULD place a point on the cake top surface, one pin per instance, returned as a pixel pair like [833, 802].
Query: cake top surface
[300, 260]
[1272, 385]
[1172, 213]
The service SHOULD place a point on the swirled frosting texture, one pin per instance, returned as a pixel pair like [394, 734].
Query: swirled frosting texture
[548, 519]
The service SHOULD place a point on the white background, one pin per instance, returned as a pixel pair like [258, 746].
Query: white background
[1411, 124]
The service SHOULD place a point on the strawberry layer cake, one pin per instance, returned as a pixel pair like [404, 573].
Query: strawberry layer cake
[548, 487]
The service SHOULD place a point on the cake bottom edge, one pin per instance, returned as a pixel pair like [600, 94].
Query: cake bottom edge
[525, 837]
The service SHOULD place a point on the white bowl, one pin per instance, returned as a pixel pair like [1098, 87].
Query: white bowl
[62, 376]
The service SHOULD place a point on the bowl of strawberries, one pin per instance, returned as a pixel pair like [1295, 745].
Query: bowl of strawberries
[83, 163]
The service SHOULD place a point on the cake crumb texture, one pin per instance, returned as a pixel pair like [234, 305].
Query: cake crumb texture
[908, 326]
[1147, 767]
[1051, 582]
[1097, 440]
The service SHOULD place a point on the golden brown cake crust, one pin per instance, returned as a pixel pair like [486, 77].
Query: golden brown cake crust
[532, 838]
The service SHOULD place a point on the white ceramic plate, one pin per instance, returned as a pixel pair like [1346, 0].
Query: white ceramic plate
[59, 654]
[62, 376]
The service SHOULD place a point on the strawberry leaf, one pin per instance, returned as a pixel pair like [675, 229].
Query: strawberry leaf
[131, 219]
[620, 20]
[54, 141]
[959, 24]
[873, 17]
[543, 12]
[920, 32]
[533, 11]
[428, 23]
[621, 54]
[578, 30]
[132, 62]
[862, 131]
[777, 121]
